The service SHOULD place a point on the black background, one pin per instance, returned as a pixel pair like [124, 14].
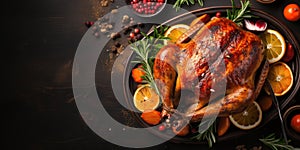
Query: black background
[40, 41]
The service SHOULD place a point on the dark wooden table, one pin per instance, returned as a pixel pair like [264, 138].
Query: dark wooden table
[40, 41]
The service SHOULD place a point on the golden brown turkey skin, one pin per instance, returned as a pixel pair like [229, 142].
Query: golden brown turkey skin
[218, 66]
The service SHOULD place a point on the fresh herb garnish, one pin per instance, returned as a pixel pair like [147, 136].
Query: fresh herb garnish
[276, 143]
[158, 33]
[178, 3]
[238, 15]
[146, 50]
[208, 134]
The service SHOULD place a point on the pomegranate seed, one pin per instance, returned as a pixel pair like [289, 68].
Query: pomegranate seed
[135, 1]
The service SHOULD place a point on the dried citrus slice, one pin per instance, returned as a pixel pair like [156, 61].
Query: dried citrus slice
[145, 98]
[274, 44]
[175, 31]
[281, 78]
[249, 118]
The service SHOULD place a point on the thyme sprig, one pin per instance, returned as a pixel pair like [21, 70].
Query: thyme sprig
[276, 143]
[237, 15]
[146, 50]
[179, 3]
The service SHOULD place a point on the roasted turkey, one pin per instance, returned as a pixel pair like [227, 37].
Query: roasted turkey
[210, 69]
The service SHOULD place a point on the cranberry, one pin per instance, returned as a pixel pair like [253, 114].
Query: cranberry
[161, 128]
[132, 35]
[89, 23]
[218, 15]
[134, 6]
[146, 6]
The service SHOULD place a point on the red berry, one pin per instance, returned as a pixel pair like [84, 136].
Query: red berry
[89, 23]
[132, 35]
[289, 53]
[295, 123]
[135, 1]
[218, 15]
[194, 130]
[134, 6]
[161, 128]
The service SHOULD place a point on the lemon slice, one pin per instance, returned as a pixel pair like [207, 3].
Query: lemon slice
[145, 98]
[175, 31]
[249, 118]
[274, 44]
[281, 78]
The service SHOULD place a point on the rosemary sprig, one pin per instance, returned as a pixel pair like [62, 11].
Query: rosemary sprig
[276, 143]
[146, 50]
[208, 134]
[141, 49]
[179, 3]
[158, 33]
[238, 15]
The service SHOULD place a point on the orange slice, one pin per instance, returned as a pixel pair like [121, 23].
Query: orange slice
[274, 44]
[249, 118]
[145, 98]
[281, 78]
[175, 31]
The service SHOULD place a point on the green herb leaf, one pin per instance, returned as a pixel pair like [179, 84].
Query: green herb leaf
[208, 134]
[146, 50]
[179, 3]
[276, 143]
[238, 15]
